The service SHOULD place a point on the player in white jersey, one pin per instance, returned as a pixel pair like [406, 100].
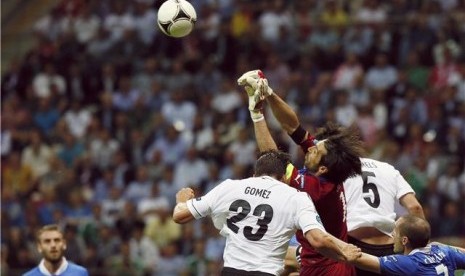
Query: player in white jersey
[371, 201]
[258, 216]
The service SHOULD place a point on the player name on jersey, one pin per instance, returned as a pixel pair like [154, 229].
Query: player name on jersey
[434, 258]
[257, 192]
[369, 164]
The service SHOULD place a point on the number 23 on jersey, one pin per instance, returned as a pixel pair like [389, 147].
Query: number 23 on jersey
[263, 212]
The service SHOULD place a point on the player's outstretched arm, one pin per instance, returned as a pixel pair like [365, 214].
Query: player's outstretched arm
[285, 115]
[181, 213]
[410, 202]
[257, 88]
[249, 81]
[331, 247]
[367, 262]
[263, 136]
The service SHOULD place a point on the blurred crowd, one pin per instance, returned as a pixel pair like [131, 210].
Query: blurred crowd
[105, 118]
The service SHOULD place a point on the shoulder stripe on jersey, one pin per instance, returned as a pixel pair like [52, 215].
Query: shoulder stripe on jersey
[192, 203]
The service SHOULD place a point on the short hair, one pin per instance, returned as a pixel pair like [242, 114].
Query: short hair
[47, 228]
[344, 148]
[272, 163]
[416, 229]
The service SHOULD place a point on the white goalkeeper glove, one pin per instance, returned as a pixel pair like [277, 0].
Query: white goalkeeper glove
[256, 86]
[263, 88]
[252, 79]
[250, 82]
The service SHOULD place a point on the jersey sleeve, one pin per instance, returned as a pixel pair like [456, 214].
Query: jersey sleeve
[303, 182]
[397, 265]
[202, 206]
[403, 187]
[306, 217]
[458, 256]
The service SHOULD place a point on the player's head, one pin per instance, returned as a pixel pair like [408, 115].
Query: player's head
[272, 163]
[336, 154]
[50, 243]
[411, 232]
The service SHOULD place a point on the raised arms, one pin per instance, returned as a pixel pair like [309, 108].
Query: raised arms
[263, 136]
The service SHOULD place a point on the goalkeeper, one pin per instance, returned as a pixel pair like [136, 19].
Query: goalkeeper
[328, 163]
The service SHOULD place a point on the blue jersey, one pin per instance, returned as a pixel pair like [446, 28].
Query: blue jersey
[71, 270]
[431, 260]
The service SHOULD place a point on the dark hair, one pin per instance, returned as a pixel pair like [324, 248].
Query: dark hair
[330, 129]
[344, 148]
[416, 229]
[272, 163]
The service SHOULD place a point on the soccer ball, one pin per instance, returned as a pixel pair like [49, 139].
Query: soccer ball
[176, 18]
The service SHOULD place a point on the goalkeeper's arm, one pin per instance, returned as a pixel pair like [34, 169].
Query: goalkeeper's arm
[285, 115]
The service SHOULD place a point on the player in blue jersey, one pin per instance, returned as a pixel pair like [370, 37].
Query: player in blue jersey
[418, 256]
[51, 245]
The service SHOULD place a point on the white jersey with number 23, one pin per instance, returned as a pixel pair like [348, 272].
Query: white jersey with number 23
[258, 216]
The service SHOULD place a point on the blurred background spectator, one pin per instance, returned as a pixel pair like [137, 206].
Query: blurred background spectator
[104, 118]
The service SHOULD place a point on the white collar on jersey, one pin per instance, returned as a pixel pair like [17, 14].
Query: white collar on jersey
[60, 270]
[269, 177]
[425, 249]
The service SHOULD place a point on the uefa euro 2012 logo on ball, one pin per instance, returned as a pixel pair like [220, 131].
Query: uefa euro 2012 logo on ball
[176, 18]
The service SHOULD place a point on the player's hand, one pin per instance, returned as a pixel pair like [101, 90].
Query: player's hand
[264, 89]
[184, 195]
[250, 78]
[255, 79]
[351, 252]
[250, 82]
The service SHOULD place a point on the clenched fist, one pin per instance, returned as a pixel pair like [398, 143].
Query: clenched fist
[184, 195]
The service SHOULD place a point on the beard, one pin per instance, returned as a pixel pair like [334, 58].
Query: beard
[54, 257]
[398, 249]
[311, 167]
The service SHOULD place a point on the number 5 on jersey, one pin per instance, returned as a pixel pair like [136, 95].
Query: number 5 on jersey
[370, 186]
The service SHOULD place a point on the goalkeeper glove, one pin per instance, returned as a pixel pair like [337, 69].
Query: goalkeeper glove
[264, 89]
[250, 82]
[252, 79]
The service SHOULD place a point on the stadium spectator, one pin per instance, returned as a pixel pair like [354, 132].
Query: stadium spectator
[382, 75]
[49, 83]
[18, 177]
[52, 244]
[76, 40]
[142, 249]
[140, 188]
[162, 230]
